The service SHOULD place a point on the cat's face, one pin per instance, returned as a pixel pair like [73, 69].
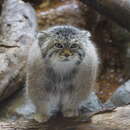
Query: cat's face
[63, 55]
[63, 51]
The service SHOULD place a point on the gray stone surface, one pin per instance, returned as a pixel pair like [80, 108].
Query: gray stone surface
[18, 30]
[121, 96]
[18, 19]
[93, 104]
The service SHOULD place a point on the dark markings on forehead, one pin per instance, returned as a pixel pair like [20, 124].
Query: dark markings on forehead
[65, 32]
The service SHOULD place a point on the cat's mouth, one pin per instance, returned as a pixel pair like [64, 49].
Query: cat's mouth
[66, 59]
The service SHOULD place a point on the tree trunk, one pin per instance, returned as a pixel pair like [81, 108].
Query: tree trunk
[117, 10]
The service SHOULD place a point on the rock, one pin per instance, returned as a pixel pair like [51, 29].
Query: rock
[71, 12]
[18, 106]
[35, 3]
[116, 120]
[119, 119]
[127, 61]
[18, 25]
[93, 104]
[121, 96]
[18, 33]
[11, 70]
[1, 2]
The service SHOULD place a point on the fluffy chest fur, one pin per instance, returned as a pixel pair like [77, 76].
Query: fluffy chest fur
[59, 81]
[64, 68]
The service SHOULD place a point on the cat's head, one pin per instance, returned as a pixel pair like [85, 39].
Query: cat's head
[63, 46]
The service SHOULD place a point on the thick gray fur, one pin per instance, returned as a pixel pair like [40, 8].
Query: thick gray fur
[51, 90]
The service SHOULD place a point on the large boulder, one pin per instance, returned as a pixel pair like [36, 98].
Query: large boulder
[18, 30]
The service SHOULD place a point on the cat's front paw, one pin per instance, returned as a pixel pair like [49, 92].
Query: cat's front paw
[40, 117]
[71, 113]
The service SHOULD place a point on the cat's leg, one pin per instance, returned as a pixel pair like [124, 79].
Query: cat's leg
[70, 106]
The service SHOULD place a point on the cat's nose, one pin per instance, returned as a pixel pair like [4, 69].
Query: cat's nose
[66, 54]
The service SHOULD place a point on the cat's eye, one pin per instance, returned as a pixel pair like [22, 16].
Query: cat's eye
[58, 45]
[73, 46]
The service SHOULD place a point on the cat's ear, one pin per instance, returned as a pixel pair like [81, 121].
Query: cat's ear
[42, 37]
[85, 34]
